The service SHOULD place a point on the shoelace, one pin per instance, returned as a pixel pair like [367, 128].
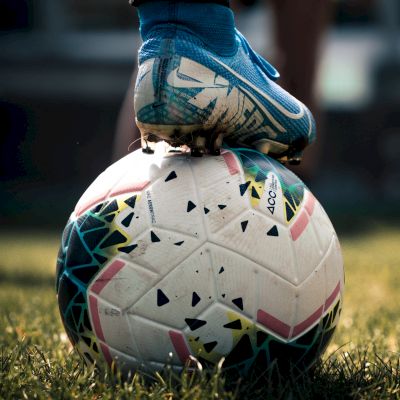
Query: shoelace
[264, 65]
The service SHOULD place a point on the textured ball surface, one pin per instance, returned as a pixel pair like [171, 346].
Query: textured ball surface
[228, 256]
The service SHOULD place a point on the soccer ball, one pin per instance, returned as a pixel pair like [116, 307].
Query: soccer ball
[170, 256]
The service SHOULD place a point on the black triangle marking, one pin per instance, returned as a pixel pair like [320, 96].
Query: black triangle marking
[86, 273]
[79, 222]
[97, 208]
[99, 258]
[76, 314]
[289, 212]
[154, 237]
[244, 225]
[80, 299]
[221, 270]
[261, 338]
[271, 210]
[208, 347]
[241, 352]
[260, 176]
[206, 210]
[190, 206]
[254, 193]
[194, 323]
[93, 238]
[238, 302]
[221, 206]
[179, 243]
[131, 201]
[290, 199]
[110, 208]
[91, 223]
[127, 221]
[195, 299]
[109, 218]
[115, 238]
[162, 299]
[243, 187]
[273, 231]
[237, 324]
[128, 249]
[171, 176]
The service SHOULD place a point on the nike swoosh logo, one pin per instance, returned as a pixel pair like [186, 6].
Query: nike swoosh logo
[277, 105]
[176, 81]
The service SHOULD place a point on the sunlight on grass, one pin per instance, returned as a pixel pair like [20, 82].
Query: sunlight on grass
[28, 256]
[372, 296]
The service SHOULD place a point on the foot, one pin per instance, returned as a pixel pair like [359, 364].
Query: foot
[190, 93]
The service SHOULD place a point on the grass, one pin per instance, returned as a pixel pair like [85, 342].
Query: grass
[37, 361]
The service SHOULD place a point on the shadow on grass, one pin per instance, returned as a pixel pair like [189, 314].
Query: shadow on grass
[349, 375]
[356, 375]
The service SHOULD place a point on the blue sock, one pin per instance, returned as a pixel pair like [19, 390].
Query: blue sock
[214, 23]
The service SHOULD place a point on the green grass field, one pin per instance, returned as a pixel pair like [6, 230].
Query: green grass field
[37, 361]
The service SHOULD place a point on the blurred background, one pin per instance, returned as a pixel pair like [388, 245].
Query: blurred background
[65, 67]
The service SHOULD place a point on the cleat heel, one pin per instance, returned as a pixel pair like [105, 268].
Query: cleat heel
[296, 158]
[148, 146]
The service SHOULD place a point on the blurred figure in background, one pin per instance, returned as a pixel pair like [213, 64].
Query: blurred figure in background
[299, 27]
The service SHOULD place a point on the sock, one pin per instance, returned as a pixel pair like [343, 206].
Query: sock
[214, 23]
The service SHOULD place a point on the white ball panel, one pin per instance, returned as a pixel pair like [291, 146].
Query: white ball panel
[174, 203]
[262, 241]
[333, 264]
[310, 299]
[224, 202]
[120, 339]
[128, 285]
[194, 275]
[306, 248]
[162, 256]
[153, 339]
[236, 278]
[210, 166]
[322, 226]
[277, 297]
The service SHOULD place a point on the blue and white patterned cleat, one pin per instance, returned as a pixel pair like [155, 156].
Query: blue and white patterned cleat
[188, 94]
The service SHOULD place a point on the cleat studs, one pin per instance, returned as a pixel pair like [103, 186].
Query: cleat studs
[215, 152]
[216, 149]
[195, 152]
[147, 150]
[199, 142]
[147, 147]
[296, 158]
[295, 161]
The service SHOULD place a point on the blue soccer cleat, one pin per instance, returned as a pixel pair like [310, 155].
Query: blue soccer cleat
[189, 92]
